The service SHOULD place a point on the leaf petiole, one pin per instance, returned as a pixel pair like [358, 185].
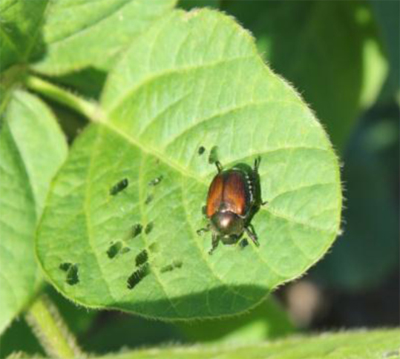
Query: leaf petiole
[88, 109]
[51, 331]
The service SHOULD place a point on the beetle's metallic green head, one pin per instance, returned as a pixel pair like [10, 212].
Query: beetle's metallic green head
[227, 223]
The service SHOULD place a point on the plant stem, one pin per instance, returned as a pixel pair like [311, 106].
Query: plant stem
[51, 331]
[63, 96]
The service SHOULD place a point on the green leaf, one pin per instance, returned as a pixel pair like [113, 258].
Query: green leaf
[194, 80]
[375, 344]
[20, 30]
[32, 149]
[308, 42]
[354, 345]
[82, 33]
[20, 40]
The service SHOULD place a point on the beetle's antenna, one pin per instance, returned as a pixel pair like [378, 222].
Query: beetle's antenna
[257, 162]
[219, 166]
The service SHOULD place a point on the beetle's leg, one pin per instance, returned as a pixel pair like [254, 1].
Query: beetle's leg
[215, 242]
[257, 162]
[204, 211]
[252, 234]
[219, 166]
[203, 230]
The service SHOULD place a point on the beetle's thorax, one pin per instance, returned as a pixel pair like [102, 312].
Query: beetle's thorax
[227, 223]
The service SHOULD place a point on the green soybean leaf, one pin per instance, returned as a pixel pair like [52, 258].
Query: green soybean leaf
[20, 24]
[354, 345]
[119, 230]
[32, 148]
[308, 42]
[20, 35]
[82, 33]
[375, 344]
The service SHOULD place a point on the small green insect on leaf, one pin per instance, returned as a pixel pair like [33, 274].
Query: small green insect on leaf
[193, 80]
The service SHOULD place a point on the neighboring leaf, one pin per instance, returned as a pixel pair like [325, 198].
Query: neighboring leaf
[354, 345]
[267, 321]
[308, 42]
[32, 148]
[378, 344]
[111, 238]
[20, 30]
[20, 24]
[82, 33]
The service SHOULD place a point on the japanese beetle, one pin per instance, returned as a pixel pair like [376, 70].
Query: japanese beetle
[234, 197]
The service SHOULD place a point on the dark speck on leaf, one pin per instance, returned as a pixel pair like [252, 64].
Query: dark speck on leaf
[136, 230]
[120, 186]
[148, 199]
[171, 267]
[72, 273]
[117, 248]
[137, 276]
[65, 266]
[156, 181]
[142, 258]
[149, 228]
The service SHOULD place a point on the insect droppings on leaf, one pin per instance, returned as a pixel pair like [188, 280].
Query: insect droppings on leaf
[120, 186]
[201, 150]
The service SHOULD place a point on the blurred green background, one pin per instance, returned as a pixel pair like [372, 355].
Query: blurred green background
[343, 58]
